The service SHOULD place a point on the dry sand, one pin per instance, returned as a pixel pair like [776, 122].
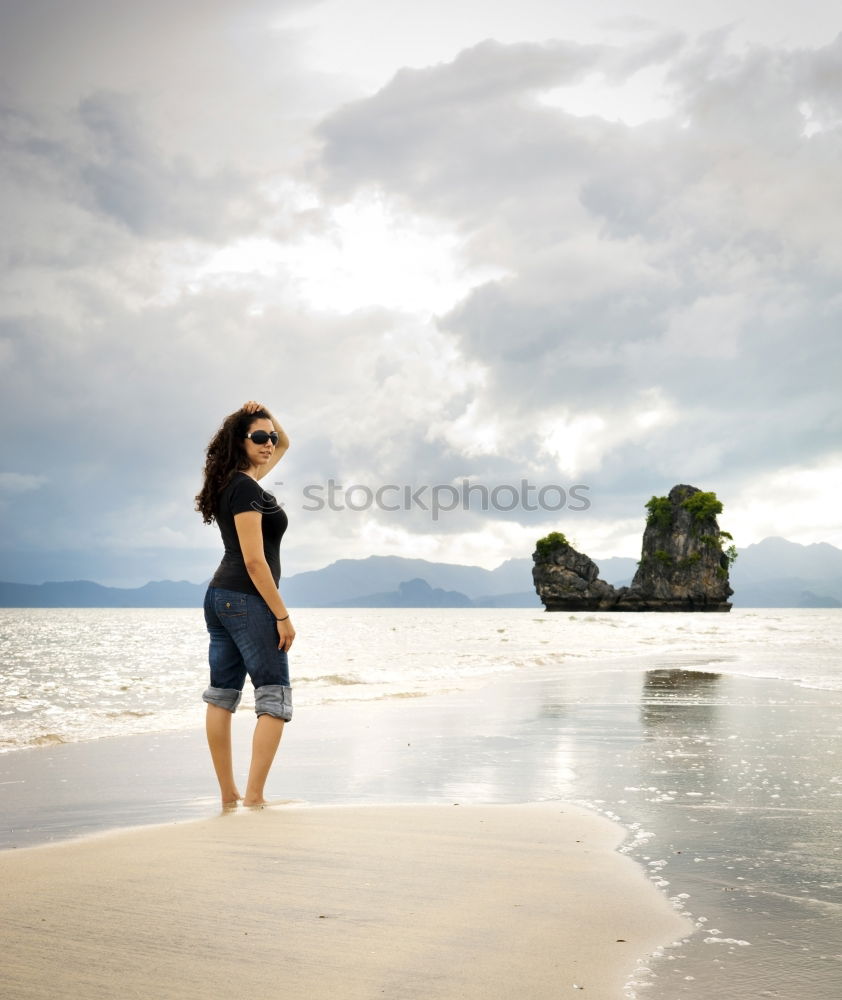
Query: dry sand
[349, 902]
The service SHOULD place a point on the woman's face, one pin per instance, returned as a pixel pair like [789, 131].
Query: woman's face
[259, 454]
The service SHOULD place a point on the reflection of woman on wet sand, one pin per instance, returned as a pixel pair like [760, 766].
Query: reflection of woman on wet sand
[666, 689]
[691, 682]
[249, 626]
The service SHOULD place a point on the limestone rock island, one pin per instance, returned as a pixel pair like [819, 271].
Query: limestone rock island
[683, 566]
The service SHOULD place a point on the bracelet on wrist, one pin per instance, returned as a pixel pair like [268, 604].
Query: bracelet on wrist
[282, 619]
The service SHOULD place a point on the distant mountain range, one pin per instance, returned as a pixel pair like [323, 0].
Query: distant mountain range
[773, 573]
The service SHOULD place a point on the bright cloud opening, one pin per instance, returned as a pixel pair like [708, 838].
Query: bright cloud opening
[640, 98]
[363, 255]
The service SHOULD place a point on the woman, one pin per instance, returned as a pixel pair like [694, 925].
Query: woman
[249, 625]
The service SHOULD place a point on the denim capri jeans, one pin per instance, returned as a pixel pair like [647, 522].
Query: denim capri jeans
[244, 640]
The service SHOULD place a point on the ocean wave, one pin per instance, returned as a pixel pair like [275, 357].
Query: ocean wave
[330, 680]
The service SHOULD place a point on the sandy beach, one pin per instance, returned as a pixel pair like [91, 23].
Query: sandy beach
[352, 902]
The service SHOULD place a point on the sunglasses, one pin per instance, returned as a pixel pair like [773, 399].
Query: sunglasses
[261, 437]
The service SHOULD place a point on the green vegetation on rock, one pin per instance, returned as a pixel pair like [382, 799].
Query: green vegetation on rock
[714, 542]
[690, 560]
[660, 513]
[549, 542]
[702, 506]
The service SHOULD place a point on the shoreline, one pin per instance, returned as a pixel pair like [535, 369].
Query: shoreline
[409, 901]
[547, 903]
[728, 788]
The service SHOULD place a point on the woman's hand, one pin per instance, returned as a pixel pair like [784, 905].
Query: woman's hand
[286, 634]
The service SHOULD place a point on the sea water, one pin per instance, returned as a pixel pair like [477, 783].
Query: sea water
[73, 674]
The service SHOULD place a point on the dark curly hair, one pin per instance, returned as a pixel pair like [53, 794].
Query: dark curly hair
[225, 456]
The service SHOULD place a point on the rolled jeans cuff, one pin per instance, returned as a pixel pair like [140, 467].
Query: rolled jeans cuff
[227, 698]
[274, 699]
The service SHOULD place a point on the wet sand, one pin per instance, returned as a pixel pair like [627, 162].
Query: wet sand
[352, 902]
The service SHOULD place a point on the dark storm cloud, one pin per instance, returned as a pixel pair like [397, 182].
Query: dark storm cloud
[103, 162]
[154, 195]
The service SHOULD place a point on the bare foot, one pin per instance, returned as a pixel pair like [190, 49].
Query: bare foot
[256, 804]
[231, 803]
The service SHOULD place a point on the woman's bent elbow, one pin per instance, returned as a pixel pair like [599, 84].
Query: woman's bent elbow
[255, 566]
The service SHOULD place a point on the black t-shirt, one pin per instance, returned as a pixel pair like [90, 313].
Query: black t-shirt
[243, 494]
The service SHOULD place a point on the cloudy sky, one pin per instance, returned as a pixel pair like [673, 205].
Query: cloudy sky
[592, 245]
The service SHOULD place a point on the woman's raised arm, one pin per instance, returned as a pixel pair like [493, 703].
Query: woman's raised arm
[283, 440]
